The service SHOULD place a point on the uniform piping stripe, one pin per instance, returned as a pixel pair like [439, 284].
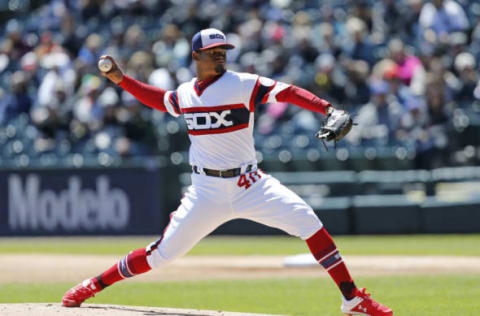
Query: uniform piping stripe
[155, 244]
[120, 271]
[200, 88]
[327, 255]
[334, 258]
[267, 95]
[336, 264]
[261, 93]
[219, 130]
[168, 104]
[126, 265]
[254, 95]
[214, 108]
[197, 89]
[174, 101]
[124, 269]
[279, 87]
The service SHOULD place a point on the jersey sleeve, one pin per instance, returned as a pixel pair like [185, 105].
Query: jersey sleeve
[265, 91]
[170, 99]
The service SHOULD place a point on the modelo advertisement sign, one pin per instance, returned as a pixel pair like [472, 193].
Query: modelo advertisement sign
[93, 201]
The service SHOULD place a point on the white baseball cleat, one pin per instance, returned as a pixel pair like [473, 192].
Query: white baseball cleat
[363, 304]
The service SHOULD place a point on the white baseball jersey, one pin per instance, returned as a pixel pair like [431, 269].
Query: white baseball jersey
[220, 117]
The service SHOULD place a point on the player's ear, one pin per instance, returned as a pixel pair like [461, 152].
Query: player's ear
[195, 56]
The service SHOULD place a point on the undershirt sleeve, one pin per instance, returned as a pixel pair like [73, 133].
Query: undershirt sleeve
[149, 95]
[302, 98]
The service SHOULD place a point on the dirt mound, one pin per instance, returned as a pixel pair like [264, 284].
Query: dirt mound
[49, 309]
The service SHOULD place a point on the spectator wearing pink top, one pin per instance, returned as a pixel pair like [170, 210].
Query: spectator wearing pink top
[409, 67]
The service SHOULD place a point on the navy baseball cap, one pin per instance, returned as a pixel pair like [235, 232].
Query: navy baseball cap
[210, 38]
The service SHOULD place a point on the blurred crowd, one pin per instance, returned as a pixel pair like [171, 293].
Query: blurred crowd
[406, 69]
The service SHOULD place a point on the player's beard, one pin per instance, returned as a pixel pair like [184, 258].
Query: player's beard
[220, 69]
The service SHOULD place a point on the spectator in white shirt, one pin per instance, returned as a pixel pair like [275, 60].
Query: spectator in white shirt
[443, 17]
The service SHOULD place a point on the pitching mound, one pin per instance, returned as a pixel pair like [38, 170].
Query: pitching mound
[49, 309]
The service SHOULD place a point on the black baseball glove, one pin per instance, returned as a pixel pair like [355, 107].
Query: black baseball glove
[338, 124]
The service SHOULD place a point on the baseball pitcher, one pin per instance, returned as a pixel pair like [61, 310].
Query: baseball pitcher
[218, 107]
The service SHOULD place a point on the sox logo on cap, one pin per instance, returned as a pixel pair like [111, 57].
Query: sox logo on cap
[210, 38]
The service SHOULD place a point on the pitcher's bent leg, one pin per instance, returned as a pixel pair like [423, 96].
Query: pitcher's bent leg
[203, 209]
[196, 217]
[270, 203]
[275, 205]
[185, 230]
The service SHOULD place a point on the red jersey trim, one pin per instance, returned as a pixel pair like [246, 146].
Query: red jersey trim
[219, 130]
[173, 98]
[267, 95]
[214, 108]
[200, 86]
[253, 96]
[260, 94]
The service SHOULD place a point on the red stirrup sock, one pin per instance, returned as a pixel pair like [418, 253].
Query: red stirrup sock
[132, 264]
[324, 250]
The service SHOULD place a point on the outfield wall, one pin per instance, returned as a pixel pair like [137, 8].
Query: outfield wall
[136, 200]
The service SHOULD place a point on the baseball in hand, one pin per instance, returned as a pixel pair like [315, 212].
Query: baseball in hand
[105, 65]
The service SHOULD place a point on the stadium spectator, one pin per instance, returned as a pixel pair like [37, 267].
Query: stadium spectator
[358, 46]
[466, 68]
[378, 119]
[330, 79]
[409, 68]
[443, 17]
[376, 58]
[16, 100]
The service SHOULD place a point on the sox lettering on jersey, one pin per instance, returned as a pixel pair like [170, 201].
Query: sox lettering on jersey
[221, 110]
[197, 121]
[216, 119]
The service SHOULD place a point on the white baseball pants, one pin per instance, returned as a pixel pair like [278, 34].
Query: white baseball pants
[212, 201]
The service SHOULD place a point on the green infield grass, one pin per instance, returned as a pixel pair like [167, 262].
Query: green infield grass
[465, 245]
[407, 295]
[412, 295]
